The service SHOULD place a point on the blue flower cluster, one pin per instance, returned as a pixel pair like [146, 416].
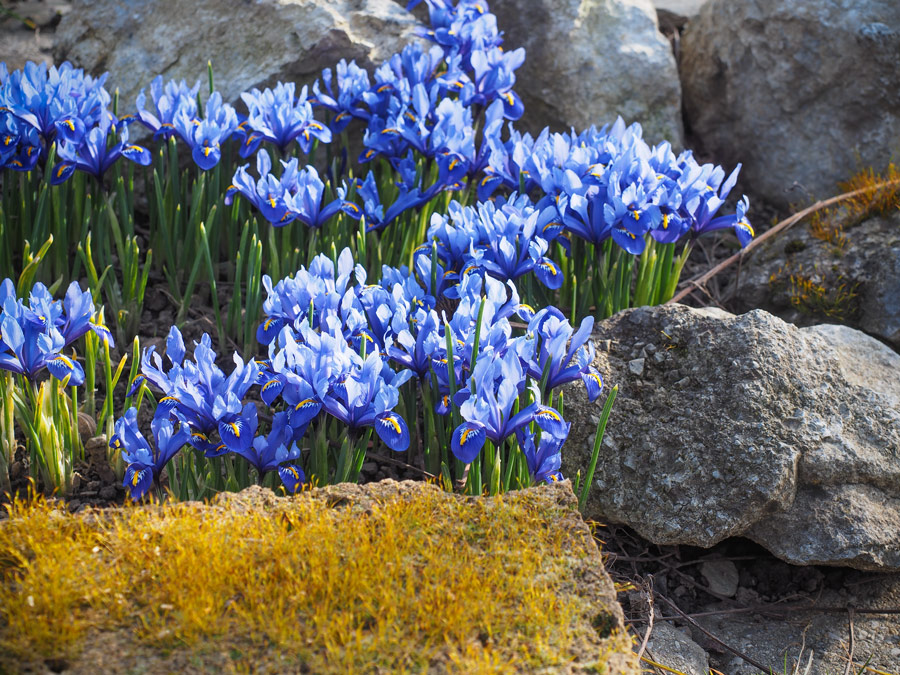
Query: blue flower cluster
[211, 416]
[33, 337]
[610, 184]
[434, 114]
[471, 356]
[505, 238]
[345, 350]
[41, 105]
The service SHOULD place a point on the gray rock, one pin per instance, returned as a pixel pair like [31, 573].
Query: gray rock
[859, 271]
[721, 576]
[250, 44]
[766, 436]
[797, 90]
[588, 61]
[675, 649]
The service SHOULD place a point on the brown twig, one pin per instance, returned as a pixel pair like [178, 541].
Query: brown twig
[775, 608]
[733, 650]
[640, 652]
[851, 646]
[699, 282]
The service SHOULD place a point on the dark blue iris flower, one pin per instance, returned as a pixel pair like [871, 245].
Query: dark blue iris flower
[277, 451]
[544, 461]
[199, 391]
[205, 136]
[350, 82]
[295, 195]
[33, 338]
[169, 101]
[145, 463]
[559, 354]
[487, 407]
[377, 217]
[278, 117]
[95, 154]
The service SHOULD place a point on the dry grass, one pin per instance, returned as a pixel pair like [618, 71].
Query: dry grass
[433, 583]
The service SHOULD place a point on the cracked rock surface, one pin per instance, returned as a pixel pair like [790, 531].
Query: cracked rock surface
[746, 426]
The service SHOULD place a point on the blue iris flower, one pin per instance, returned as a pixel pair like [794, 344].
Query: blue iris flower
[20, 144]
[169, 101]
[367, 398]
[200, 392]
[95, 154]
[488, 407]
[415, 350]
[544, 461]
[351, 83]
[277, 451]
[377, 217]
[278, 117]
[558, 353]
[295, 195]
[144, 462]
[32, 338]
[322, 286]
[57, 102]
[205, 136]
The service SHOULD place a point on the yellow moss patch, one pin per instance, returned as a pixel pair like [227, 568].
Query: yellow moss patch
[388, 579]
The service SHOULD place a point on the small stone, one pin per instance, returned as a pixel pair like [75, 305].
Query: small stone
[636, 366]
[721, 577]
[16, 470]
[94, 485]
[108, 492]
[74, 504]
[87, 426]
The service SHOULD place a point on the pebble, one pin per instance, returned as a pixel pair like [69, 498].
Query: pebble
[721, 577]
[636, 366]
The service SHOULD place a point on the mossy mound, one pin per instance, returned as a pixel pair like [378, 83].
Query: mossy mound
[388, 577]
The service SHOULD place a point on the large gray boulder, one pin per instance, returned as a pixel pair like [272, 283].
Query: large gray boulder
[589, 61]
[747, 426]
[847, 275]
[250, 44]
[799, 91]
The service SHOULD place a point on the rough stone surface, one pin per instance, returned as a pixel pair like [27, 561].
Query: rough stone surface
[553, 506]
[250, 44]
[28, 36]
[588, 61]
[866, 264]
[675, 649]
[765, 435]
[797, 90]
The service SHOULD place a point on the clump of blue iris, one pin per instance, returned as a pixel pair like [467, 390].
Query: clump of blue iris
[33, 336]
